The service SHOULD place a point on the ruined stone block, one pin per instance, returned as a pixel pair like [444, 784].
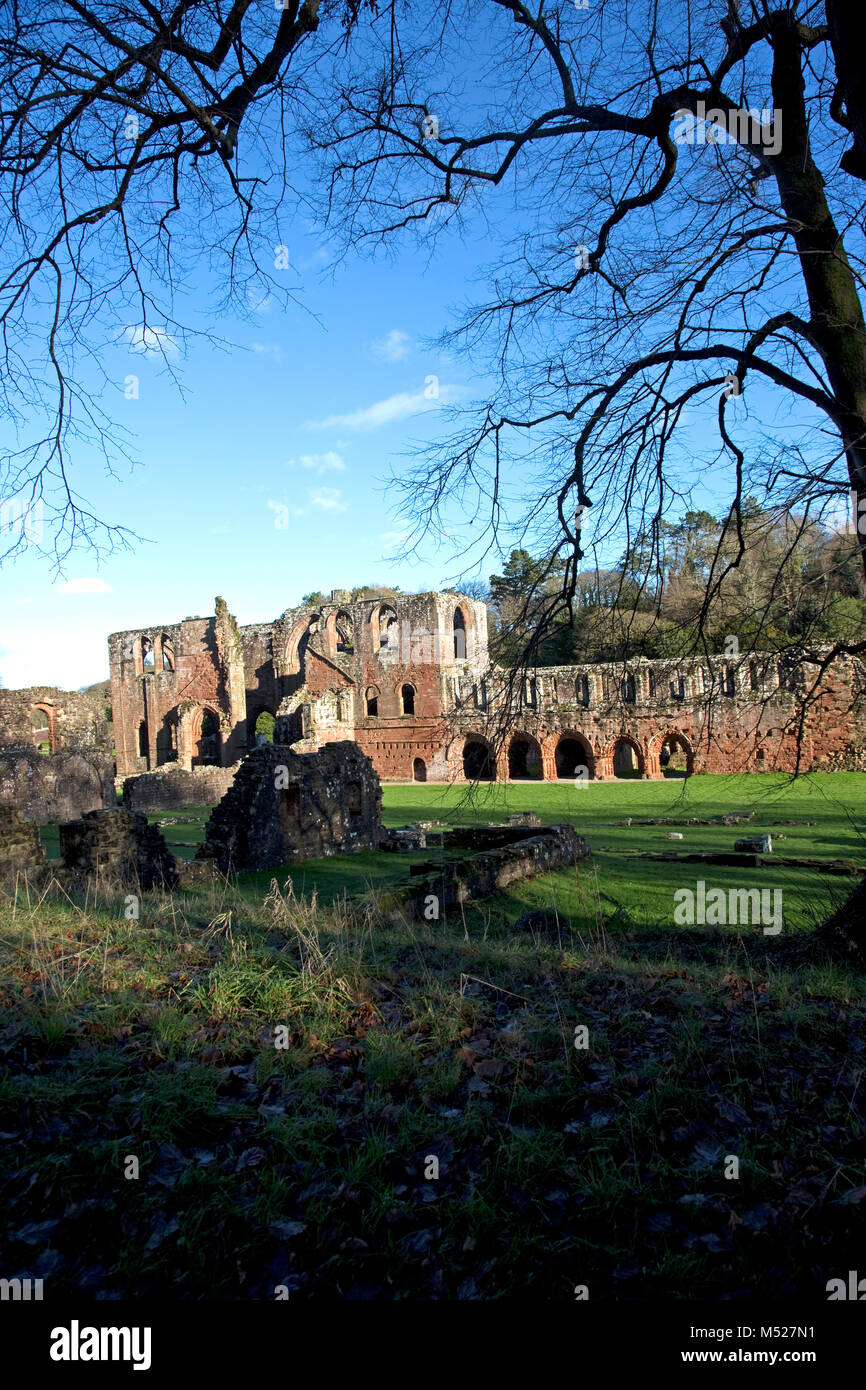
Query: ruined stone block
[117, 846]
[285, 806]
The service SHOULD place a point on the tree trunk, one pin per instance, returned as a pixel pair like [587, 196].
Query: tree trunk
[838, 329]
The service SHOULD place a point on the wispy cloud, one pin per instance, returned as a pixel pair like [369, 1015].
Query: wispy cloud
[394, 347]
[270, 349]
[387, 412]
[331, 462]
[330, 499]
[154, 342]
[393, 541]
[85, 586]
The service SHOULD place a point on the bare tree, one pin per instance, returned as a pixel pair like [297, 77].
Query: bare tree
[682, 300]
[139, 140]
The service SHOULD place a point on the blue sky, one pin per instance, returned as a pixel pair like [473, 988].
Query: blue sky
[306, 409]
[299, 418]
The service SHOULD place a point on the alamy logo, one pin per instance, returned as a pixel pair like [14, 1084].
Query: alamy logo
[738, 907]
[854, 1290]
[21, 1290]
[76, 1343]
[734, 127]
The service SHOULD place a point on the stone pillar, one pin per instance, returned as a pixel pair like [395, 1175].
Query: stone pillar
[604, 767]
[652, 766]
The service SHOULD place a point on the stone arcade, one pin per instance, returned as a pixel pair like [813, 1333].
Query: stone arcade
[408, 679]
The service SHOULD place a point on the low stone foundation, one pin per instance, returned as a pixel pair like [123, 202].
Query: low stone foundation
[173, 788]
[118, 845]
[55, 787]
[459, 881]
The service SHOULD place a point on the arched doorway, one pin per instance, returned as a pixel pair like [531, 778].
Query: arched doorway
[419, 770]
[573, 752]
[627, 759]
[166, 741]
[676, 756]
[524, 759]
[209, 740]
[477, 760]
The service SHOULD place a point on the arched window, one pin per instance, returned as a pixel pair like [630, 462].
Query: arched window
[652, 683]
[754, 675]
[678, 687]
[388, 630]
[146, 654]
[264, 730]
[459, 635]
[167, 654]
[142, 739]
[345, 633]
[728, 683]
[530, 692]
[371, 700]
[407, 699]
[627, 689]
[40, 725]
[581, 690]
[344, 707]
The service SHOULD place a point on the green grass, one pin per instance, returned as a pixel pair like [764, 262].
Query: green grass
[305, 1164]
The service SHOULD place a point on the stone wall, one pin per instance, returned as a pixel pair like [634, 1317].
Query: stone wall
[408, 679]
[285, 806]
[172, 788]
[59, 719]
[56, 787]
[20, 846]
[117, 846]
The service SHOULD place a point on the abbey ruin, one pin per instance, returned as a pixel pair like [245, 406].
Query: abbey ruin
[409, 680]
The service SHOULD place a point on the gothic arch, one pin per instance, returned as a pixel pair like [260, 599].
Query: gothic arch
[299, 638]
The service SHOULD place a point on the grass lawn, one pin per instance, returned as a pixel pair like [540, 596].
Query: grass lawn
[450, 1048]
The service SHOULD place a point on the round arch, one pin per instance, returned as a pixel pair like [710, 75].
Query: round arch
[524, 758]
[572, 751]
[626, 757]
[478, 762]
[667, 746]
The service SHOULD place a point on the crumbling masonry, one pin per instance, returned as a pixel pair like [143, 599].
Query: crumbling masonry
[409, 681]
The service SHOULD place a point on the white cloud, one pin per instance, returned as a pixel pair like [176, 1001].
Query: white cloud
[387, 412]
[270, 349]
[393, 540]
[154, 342]
[85, 586]
[330, 499]
[394, 347]
[331, 462]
